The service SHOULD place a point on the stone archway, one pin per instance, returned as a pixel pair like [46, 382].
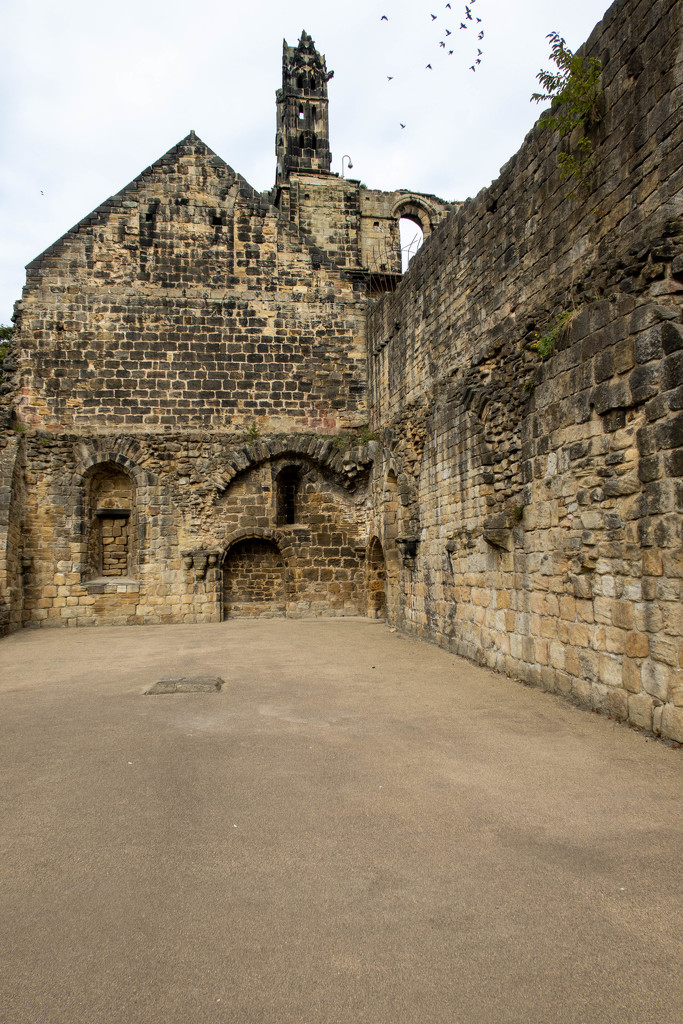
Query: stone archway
[254, 583]
[376, 581]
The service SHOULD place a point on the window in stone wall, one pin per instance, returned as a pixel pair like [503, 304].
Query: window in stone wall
[288, 487]
[110, 543]
[412, 237]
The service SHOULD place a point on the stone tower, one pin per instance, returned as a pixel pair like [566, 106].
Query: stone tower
[303, 134]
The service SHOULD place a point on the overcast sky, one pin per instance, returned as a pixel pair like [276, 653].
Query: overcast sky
[92, 93]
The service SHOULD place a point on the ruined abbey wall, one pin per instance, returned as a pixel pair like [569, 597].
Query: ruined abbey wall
[186, 302]
[543, 499]
[207, 413]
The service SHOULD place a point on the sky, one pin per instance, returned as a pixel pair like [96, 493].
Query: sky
[94, 92]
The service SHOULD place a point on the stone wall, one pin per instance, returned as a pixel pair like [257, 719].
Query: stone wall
[12, 513]
[357, 227]
[186, 302]
[543, 498]
[184, 505]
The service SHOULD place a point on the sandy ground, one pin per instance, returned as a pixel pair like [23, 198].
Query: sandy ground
[358, 828]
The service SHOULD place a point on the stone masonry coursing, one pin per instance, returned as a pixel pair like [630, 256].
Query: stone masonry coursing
[209, 412]
[544, 498]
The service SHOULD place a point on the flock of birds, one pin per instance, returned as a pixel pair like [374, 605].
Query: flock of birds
[444, 44]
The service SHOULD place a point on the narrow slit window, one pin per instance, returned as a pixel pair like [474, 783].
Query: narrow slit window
[288, 496]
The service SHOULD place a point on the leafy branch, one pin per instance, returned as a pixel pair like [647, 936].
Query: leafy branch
[573, 93]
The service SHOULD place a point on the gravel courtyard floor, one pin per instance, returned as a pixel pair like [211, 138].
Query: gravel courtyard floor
[358, 827]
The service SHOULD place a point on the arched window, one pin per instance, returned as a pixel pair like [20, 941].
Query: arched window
[301, 82]
[288, 485]
[412, 238]
[301, 111]
[314, 142]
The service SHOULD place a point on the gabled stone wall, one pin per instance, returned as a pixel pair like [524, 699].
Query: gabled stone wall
[544, 498]
[186, 302]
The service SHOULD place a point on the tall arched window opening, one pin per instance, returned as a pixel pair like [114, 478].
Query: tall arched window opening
[412, 238]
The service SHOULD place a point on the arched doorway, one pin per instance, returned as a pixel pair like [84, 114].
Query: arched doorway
[376, 570]
[254, 580]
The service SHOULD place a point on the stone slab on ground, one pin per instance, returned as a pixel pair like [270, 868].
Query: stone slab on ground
[369, 829]
[186, 684]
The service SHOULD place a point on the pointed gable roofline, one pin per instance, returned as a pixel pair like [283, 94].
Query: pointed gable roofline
[101, 212]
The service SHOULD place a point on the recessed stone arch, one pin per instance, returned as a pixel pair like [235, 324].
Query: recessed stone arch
[376, 580]
[256, 573]
[417, 210]
[111, 499]
[348, 468]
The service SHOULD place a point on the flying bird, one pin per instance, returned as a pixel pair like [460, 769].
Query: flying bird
[478, 60]
[479, 21]
[442, 44]
[448, 31]
[402, 125]
[428, 66]
[479, 52]
[390, 78]
[462, 26]
[472, 67]
[450, 53]
[481, 35]
[468, 14]
[448, 6]
[433, 17]
[384, 18]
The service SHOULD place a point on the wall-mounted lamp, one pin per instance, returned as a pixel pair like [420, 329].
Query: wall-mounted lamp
[346, 157]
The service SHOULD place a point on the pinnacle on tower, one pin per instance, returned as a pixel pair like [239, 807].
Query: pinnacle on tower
[303, 135]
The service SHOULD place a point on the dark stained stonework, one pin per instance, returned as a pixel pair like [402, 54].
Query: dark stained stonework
[220, 403]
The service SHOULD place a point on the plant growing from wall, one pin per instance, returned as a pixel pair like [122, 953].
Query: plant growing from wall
[573, 92]
[252, 433]
[545, 343]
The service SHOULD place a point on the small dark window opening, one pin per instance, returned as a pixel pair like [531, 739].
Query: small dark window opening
[313, 113]
[217, 220]
[149, 216]
[300, 82]
[302, 141]
[314, 142]
[287, 492]
[312, 81]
